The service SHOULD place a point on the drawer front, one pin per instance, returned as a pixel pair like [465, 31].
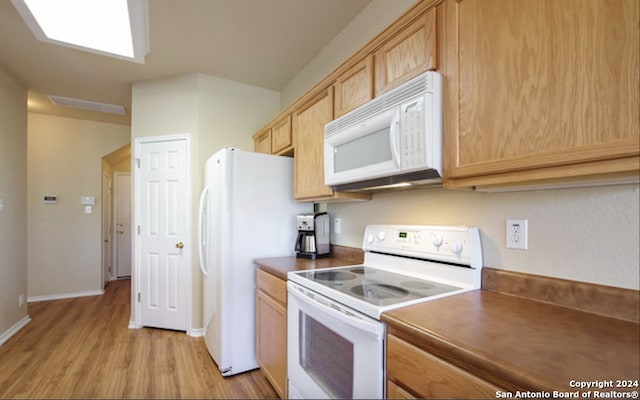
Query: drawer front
[396, 392]
[428, 376]
[273, 286]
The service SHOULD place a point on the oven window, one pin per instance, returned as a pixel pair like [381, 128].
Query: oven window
[367, 150]
[327, 357]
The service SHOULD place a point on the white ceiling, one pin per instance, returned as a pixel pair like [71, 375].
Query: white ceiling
[258, 42]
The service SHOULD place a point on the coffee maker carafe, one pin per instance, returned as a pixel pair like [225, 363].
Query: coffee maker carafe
[313, 235]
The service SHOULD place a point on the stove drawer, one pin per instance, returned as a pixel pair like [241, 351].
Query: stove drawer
[427, 376]
[273, 286]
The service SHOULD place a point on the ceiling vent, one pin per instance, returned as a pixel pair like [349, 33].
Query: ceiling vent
[87, 105]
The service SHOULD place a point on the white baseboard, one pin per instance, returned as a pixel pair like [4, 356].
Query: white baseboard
[14, 329]
[59, 296]
[133, 325]
[197, 332]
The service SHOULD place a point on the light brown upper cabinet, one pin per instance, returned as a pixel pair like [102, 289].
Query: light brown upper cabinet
[354, 87]
[276, 138]
[281, 139]
[407, 54]
[308, 123]
[262, 141]
[539, 90]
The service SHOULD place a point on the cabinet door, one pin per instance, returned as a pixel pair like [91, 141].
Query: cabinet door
[540, 84]
[262, 142]
[272, 341]
[408, 54]
[281, 135]
[308, 123]
[354, 87]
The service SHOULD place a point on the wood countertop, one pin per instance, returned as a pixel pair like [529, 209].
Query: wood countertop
[522, 344]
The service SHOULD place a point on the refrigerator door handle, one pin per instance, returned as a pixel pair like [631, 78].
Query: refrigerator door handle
[202, 239]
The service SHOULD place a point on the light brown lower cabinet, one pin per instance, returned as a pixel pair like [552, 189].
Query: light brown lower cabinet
[412, 371]
[271, 323]
[396, 392]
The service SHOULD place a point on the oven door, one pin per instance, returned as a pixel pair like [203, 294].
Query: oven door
[333, 351]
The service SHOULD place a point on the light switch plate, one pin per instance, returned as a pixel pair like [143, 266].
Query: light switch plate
[88, 200]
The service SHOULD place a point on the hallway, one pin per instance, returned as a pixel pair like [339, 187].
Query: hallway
[82, 348]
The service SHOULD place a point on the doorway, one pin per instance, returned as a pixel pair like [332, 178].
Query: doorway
[115, 163]
[106, 227]
[123, 225]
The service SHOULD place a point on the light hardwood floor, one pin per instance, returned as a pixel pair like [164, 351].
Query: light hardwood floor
[82, 348]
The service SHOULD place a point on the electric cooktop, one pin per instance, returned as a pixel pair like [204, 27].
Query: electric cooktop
[403, 265]
[375, 286]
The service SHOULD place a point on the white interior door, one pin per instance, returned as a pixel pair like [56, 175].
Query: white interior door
[106, 228]
[162, 246]
[123, 223]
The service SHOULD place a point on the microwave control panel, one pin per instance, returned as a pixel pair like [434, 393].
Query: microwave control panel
[412, 139]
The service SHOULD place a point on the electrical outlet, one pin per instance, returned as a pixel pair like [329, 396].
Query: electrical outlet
[337, 226]
[517, 234]
[20, 300]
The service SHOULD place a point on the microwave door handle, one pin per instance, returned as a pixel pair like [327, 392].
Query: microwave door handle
[394, 138]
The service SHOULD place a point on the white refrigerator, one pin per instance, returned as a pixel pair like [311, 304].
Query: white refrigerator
[246, 211]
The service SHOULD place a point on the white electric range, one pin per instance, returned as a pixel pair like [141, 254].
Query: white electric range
[336, 339]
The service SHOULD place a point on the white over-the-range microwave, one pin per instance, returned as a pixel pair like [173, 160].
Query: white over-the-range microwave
[394, 140]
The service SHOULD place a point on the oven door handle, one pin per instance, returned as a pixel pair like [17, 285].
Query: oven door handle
[371, 328]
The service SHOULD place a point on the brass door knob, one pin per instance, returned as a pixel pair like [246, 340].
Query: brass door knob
[180, 245]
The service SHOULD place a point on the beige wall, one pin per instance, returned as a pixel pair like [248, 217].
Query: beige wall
[585, 234]
[64, 243]
[229, 113]
[215, 113]
[13, 192]
[119, 160]
[364, 27]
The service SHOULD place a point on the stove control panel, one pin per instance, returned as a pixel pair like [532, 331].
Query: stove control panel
[457, 244]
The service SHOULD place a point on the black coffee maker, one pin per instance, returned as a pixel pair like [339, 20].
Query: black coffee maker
[314, 235]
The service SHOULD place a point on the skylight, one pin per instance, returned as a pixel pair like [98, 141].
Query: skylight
[111, 27]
